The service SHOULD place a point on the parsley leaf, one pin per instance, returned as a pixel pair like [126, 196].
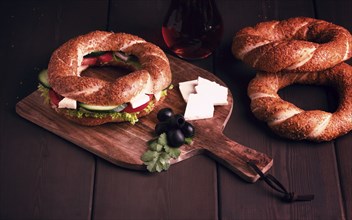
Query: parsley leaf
[162, 139]
[172, 151]
[155, 146]
[149, 156]
[157, 157]
[188, 140]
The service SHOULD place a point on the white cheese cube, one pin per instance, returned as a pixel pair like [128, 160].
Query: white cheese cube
[68, 103]
[219, 96]
[198, 107]
[148, 87]
[157, 96]
[206, 82]
[215, 92]
[139, 100]
[187, 88]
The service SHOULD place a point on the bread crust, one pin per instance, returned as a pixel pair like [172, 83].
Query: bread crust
[287, 120]
[64, 69]
[297, 44]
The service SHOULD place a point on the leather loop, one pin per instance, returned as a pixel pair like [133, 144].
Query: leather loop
[277, 186]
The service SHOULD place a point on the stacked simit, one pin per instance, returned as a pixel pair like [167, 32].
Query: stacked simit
[297, 50]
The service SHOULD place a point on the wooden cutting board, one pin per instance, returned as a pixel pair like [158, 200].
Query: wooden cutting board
[123, 143]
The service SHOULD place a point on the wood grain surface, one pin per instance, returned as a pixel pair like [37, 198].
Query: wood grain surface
[44, 176]
[123, 143]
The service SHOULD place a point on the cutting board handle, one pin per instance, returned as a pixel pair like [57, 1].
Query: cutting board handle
[235, 157]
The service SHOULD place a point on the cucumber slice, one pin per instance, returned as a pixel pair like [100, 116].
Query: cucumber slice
[43, 78]
[135, 64]
[131, 60]
[102, 107]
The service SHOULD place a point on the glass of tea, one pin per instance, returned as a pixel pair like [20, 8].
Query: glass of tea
[192, 29]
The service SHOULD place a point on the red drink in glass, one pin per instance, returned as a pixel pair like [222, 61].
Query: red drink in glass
[192, 29]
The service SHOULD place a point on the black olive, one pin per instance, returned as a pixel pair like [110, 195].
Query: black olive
[161, 127]
[187, 130]
[165, 114]
[177, 121]
[175, 138]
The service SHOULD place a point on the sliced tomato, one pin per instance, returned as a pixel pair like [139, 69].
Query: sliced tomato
[105, 58]
[130, 109]
[89, 61]
[54, 97]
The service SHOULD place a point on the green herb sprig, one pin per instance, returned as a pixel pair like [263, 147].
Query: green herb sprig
[157, 157]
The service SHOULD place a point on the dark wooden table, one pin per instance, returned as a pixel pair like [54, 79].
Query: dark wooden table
[43, 176]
